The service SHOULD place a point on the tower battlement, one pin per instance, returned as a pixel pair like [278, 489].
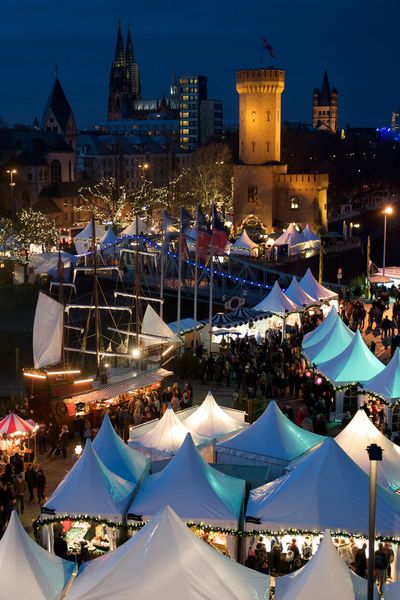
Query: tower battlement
[267, 81]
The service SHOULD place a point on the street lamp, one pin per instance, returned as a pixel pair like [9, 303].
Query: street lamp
[388, 211]
[11, 173]
[374, 455]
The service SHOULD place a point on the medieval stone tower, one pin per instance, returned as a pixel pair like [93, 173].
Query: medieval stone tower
[325, 107]
[263, 191]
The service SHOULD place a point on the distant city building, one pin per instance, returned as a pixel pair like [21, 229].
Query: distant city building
[200, 118]
[396, 120]
[211, 120]
[325, 107]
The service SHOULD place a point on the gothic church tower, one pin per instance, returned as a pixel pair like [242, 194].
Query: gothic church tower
[124, 85]
[325, 107]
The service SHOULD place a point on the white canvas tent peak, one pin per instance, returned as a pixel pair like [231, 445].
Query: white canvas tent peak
[336, 340]
[297, 295]
[89, 488]
[308, 234]
[47, 331]
[166, 437]
[27, 571]
[277, 302]
[118, 456]
[244, 245]
[326, 489]
[310, 285]
[143, 228]
[290, 237]
[355, 364]
[210, 420]
[317, 334]
[325, 571]
[357, 436]
[83, 239]
[166, 560]
[157, 331]
[108, 238]
[387, 382]
[193, 489]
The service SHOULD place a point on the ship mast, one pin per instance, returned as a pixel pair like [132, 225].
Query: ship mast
[96, 295]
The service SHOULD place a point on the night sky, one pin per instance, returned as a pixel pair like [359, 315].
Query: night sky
[356, 40]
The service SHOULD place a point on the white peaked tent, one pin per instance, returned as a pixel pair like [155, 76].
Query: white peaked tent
[154, 331]
[47, 332]
[108, 238]
[359, 434]
[166, 560]
[83, 240]
[391, 591]
[117, 456]
[310, 285]
[165, 438]
[317, 334]
[387, 382]
[89, 488]
[27, 571]
[308, 235]
[277, 303]
[325, 571]
[143, 228]
[355, 364]
[290, 237]
[336, 341]
[210, 420]
[244, 245]
[193, 489]
[297, 295]
[325, 490]
[272, 440]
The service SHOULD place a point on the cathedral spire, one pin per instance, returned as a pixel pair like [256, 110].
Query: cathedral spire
[119, 50]
[129, 53]
[325, 93]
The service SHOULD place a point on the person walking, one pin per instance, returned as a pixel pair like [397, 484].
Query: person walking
[361, 561]
[40, 485]
[63, 440]
[31, 481]
[20, 487]
[381, 565]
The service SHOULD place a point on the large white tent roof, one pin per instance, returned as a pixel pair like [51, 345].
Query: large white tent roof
[89, 488]
[392, 591]
[117, 456]
[244, 245]
[273, 435]
[27, 571]
[131, 228]
[325, 571]
[325, 490]
[166, 437]
[290, 237]
[295, 293]
[317, 334]
[359, 434]
[308, 235]
[83, 239]
[166, 560]
[310, 285]
[155, 331]
[277, 302]
[193, 489]
[387, 382]
[355, 363]
[210, 420]
[336, 340]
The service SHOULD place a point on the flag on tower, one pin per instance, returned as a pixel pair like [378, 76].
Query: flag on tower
[219, 237]
[265, 45]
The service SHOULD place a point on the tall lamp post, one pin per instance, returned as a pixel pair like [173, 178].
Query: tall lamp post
[11, 173]
[375, 455]
[388, 211]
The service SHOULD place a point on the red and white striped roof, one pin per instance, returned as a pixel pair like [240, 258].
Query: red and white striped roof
[12, 424]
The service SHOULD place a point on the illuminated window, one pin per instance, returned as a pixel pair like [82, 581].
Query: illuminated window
[252, 193]
[186, 97]
[294, 203]
[185, 131]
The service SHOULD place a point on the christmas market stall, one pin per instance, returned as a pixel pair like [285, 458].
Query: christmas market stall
[15, 436]
[27, 570]
[214, 421]
[166, 560]
[385, 386]
[336, 340]
[199, 494]
[309, 284]
[284, 311]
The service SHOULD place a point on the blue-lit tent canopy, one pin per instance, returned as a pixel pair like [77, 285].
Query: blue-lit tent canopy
[308, 235]
[295, 293]
[277, 303]
[272, 440]
[392, 591]
[89, 488]
[27, 570]
[317, 334]
[193, 489]
[336, 340]
[355, 364]
[117, 456]
[387, 382]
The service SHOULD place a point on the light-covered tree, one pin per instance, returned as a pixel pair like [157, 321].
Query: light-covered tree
[6, 230]
[33, 227]
[107, 200]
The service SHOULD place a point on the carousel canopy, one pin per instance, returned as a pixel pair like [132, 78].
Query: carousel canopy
[244, 245]
[325, 571]
[355, 363]
[387, 382]
[290, 237]
[193, 489]
[154, 331]
[12, 424]
[84, 238]
[336, 340]
[166, 437]
[392, 591]
[357, 436]
[166, 560]
[277, 302]
[273, 435]
[27, 570]
[317, 334]
[295, 293]
[310, 285]
[89, 488]
[308, 235]
[117, 456]
[210, 420]
[325, 490]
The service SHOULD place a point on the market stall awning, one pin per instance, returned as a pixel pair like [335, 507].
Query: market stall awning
[12, 424]
[106, 392]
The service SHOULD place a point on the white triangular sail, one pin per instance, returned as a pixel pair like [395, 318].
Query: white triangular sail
[157, 331]
[47, 332]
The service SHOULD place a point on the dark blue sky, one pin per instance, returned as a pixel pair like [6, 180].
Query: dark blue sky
[356, 40]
